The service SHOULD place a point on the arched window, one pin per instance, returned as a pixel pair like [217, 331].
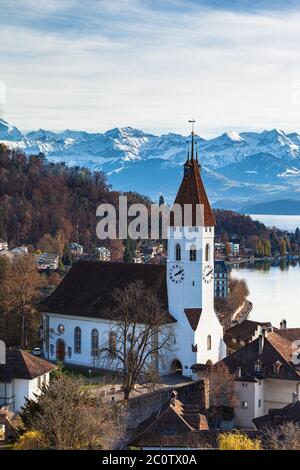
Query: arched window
[77, 340]
[193, 253]
[207, 252]
[208, 343]
[112, 342]
[94, 342]
[178, 252]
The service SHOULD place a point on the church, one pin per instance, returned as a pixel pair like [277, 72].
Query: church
[77, 318]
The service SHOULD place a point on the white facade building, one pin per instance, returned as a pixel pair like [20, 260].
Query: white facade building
[21, 377]
[267, 374]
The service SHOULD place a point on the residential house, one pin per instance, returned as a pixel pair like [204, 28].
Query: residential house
[3, 245]
[276, 417]
[21, 376]
[221, 279]
[243, 333]
[102, 253]
[47, 261]
[267, 374]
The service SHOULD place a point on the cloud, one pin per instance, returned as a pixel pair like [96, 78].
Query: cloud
[98, 64]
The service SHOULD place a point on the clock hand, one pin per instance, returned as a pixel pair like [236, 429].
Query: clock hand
[178, 272]
[209, 272]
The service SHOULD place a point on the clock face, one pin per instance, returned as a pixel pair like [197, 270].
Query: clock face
[208, 273]
[176, 273]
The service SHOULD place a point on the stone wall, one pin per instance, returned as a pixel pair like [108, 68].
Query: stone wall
[143, 406]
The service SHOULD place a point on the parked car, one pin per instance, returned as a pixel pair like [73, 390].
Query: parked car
[36, 352]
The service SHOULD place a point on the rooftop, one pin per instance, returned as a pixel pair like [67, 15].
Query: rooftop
[87, 288]
[23, 365]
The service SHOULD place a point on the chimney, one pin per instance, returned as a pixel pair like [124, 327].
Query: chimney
[2, 353]
[174, 397]
[283, 324]
[295, 397]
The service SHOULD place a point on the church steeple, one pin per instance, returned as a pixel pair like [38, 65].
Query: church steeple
[192, 190]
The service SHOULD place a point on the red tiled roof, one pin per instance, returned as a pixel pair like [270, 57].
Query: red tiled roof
[192, 191]
[23, 365]
[292, 334]
[173, 419]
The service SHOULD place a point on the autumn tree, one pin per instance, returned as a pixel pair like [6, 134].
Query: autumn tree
[139, 338]
[221, 390]
[22, 285]
[283, 247]
[283, 437]
[227, 248]
[267, 247]
[238, 291]
[237, 440]
[67, 416]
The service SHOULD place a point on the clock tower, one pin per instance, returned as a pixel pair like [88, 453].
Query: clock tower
[190, 271]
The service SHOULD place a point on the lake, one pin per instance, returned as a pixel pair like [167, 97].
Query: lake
[283, 222]
[274, 290]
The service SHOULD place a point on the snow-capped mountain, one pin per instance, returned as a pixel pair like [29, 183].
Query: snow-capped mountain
[237, 168]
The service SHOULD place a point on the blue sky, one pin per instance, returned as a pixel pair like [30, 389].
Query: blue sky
[98, 64]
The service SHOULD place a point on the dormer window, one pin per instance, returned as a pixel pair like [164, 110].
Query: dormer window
[238, 373]
[257, 366]
[276, 367]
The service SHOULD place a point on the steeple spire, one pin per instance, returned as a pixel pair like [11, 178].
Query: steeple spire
[192, 121]
[192, 190]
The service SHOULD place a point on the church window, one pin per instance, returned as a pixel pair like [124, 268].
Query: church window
[94, 342]
[51, 349]
[69, 352]
[208, 343]
[112, 342]
[178, 252]
[207, 252]
[193, 253]
[77, 340]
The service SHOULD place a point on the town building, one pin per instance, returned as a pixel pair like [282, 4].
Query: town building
[177, 423]
[3, 245]
[278, 416]
[235, 248]
[21, 376]
[47, 261]
[76, 248]
[243, 333]
[102, 253]
[221, 279]
[267, 375]
[78, 315]
[17, 251]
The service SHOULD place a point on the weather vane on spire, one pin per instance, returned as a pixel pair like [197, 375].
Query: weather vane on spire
[193, 122]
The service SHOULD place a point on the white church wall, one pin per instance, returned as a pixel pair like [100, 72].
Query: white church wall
[86, 325]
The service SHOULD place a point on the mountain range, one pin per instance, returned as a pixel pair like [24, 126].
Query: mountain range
[238, 169]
